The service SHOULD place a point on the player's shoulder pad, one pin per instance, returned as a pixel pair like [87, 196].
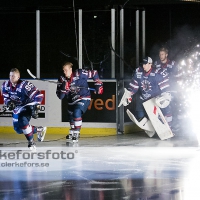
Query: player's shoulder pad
[23, 82]
[157, 70]
[85, 71]
[78, 72]
[5, 82]
[138, 73]
[139, 70]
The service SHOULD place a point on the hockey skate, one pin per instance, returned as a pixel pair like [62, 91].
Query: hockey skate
[31, 145]
[41, 131]
[76, 136]
[70, 136]
[175, 129]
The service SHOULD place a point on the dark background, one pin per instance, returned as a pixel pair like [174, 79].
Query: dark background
[174, 24]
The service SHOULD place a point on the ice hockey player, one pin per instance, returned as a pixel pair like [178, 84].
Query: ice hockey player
[168, 65]
[73, 85]
[170, 69]
[150, 83]
[17, 93]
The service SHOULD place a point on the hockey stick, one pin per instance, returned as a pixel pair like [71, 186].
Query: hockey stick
[34, 77]
[65, 91]
[4, 110]
[28, 104]
[85, 88]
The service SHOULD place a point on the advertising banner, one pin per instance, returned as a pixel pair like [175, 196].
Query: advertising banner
[102, 108]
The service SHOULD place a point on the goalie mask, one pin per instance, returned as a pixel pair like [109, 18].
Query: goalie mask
[163, 100]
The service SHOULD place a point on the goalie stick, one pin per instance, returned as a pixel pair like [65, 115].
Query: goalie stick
[34, 77]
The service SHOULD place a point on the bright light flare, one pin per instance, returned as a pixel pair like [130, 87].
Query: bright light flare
[190, 86]
[183, 63]
[194, 111]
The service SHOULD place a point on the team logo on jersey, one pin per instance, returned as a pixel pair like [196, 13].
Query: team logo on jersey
[146, 85]
[164, 73]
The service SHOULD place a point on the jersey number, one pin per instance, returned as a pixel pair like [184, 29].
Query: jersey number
[29, 86]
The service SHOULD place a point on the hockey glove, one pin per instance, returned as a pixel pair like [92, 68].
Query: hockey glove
[163, 100]
[11, 105]
[64, 87]
[98, 87]
[35, 110]
[126, 98]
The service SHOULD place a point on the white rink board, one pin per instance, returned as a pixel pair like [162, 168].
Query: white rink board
[52, 109]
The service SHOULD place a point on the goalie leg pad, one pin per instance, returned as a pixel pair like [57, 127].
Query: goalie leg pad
[157, 119]
[144, 124]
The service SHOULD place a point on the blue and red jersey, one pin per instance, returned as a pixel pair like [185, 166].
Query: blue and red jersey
[78, 79]
[148, 84]
[22, 93]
